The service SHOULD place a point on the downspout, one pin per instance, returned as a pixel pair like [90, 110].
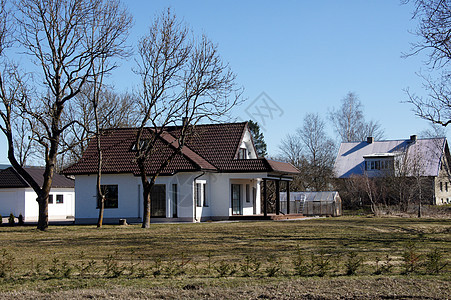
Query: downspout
[195, 204]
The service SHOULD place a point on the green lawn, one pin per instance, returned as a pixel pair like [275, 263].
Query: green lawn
[192, 260]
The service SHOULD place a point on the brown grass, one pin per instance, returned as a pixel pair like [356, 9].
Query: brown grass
[195, 246]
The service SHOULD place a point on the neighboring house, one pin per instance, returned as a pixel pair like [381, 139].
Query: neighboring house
[17, 197]
[217, 175]
[428, 159]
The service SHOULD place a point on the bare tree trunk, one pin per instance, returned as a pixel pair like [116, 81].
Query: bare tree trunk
[100, 193]
[146, 213]
[43, 220]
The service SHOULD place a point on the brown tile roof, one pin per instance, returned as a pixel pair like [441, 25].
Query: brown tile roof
[282, 167]
[9, 178]
[209, 147]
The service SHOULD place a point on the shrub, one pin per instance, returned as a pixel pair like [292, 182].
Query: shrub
[20, 220]
[353, 263]
[250, 266]
[6, 263]
[112, 267]
[411, 258]
[434, 261]
[383, 267]
[225, 269]
[273, 267]
[321, 263]
[11, 219]
[300, 265]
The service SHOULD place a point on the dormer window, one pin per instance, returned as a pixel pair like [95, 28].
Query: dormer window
[142, 144]
[242, 153]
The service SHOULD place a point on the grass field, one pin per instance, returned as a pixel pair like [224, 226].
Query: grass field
[387, 257]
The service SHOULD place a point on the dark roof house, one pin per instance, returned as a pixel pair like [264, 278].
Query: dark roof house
[216, 175]
[17, 197]
[212, 147]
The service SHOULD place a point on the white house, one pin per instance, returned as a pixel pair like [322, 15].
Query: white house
[217, 175]
[17, 197]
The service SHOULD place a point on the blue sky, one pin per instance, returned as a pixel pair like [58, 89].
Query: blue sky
[305, 56]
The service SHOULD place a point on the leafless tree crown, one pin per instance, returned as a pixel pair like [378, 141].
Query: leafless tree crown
[349, 121]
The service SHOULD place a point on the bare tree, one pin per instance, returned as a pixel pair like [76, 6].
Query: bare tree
[115, 110]
[349, 121]
[434, 32]
[434, 131]
[319, 152]
[312, 152]
[63, 38]
[183, 78]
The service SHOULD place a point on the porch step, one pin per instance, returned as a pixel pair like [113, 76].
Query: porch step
[268, 217]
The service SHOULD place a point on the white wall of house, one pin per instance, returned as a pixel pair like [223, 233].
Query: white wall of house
[57, 211]
[129, 197]
[23, 201]
[11, 201]
[247, 143]
[130, 203]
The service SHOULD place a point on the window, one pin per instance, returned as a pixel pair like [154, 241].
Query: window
[50, 199]
[197, 194]
[111, 196]
[236, 199]
[441, 186]
[204, 189]
[142, 144]
[174, 200]
[248, 197]
[59, 199]
[378, 164]
[446, 186]
[372, 165]
[158, 201]
[242, 153]
[200, 194]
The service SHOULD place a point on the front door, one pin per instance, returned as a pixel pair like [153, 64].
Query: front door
[236, 199]
[158, 201]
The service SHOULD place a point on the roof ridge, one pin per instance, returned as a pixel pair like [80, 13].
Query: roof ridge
[394, 140]
[188, 152]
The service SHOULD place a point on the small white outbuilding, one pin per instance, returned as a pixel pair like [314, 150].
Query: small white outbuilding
[18, 198]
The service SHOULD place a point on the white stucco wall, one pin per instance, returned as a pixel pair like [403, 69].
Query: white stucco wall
[130, 203]
[23, 201]
[247, 143]
[57, 211]
[11, 201]
[129, 195]
[220, 193]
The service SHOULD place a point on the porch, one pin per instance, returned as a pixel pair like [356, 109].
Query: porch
[268, 217]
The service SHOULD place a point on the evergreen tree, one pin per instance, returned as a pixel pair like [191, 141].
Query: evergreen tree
[259, 139]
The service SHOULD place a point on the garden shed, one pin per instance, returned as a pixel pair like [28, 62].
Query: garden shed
[312, 203]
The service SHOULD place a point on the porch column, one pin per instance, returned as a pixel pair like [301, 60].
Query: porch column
[288, 197]
[277, 197]
[265, 205]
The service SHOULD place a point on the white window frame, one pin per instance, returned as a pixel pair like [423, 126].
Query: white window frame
[201, 193]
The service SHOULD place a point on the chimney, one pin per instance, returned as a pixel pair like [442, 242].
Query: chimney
[370, 140]
[413, 138]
